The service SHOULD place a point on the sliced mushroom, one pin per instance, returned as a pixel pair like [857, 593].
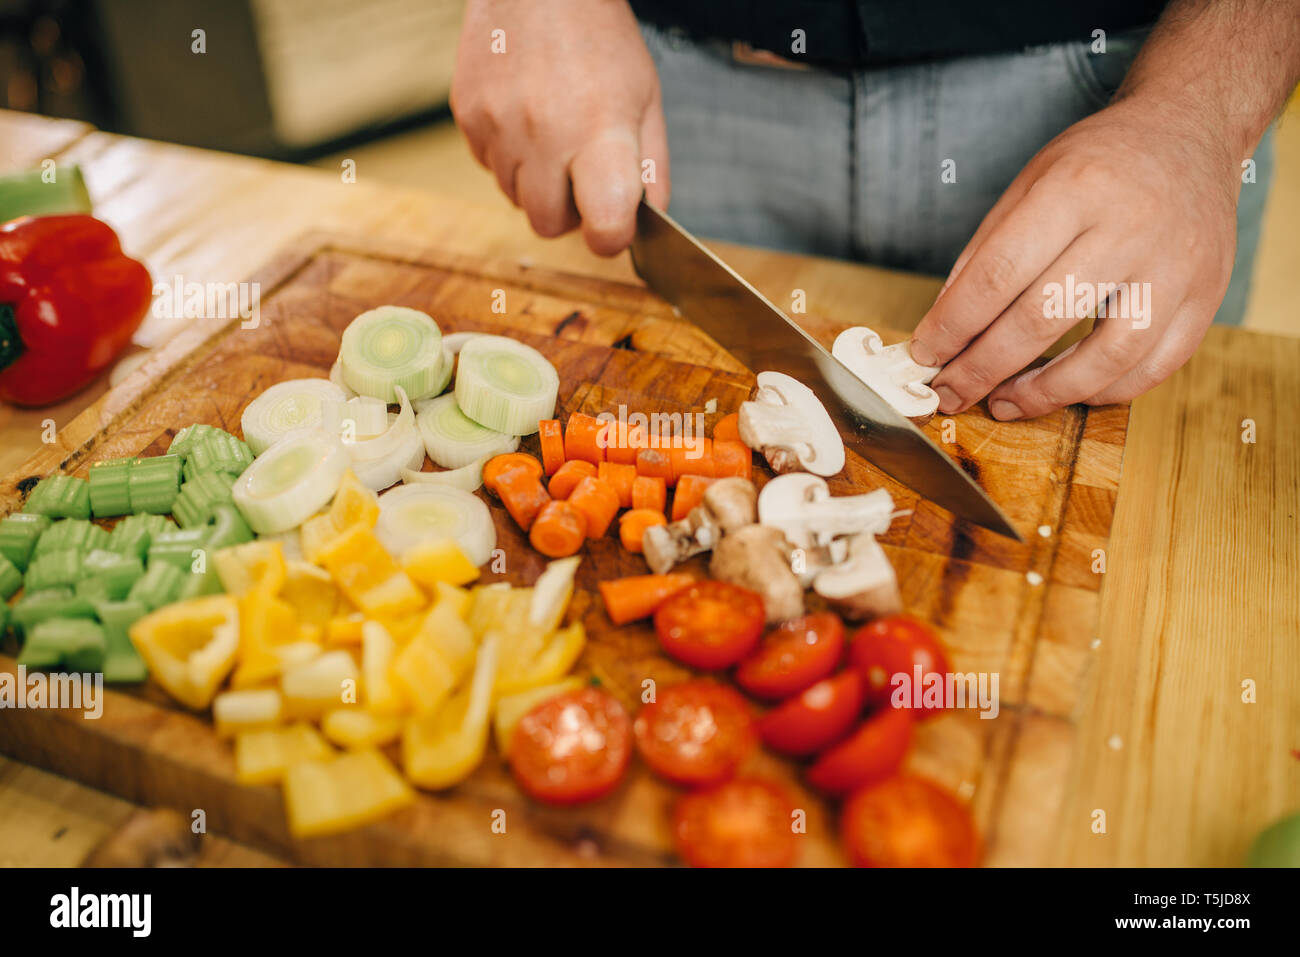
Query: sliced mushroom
[754, 557]
[729, 504]
[788, 424]
[890, 371]
[863, 586]
[732, 502]
[802, 507]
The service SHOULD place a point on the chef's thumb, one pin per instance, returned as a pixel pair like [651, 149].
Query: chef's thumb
[606, 177]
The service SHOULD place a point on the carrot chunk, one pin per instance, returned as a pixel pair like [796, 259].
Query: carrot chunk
[627, 599]
[727, 429]
[732, 458]
[569, 475]
[559, 531]
[693, 457]
[499, 464]
[649, 492]
[632, 525]
[655, 463]
[625, 442]
[551, 436]
[621, 478]
[585, 438]
[689, 493]
[598, 503]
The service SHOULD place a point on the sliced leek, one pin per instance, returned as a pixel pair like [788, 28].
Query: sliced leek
[467, 477]
[377, 462]
[389, 347]
[453, 439]
[454, 342]
[284, 408]
[505, 385]
[336, 376]
[417, 513]
[360, 417]
[291, 481]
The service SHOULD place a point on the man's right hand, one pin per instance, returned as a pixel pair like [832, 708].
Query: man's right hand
[566, 115]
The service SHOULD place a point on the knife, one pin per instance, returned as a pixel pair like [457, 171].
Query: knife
[739, 318]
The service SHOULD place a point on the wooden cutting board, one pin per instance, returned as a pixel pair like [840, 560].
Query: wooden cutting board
[1025, 612]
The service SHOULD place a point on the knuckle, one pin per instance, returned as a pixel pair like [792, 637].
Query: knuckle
[994, 272]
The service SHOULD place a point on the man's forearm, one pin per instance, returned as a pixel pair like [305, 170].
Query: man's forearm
[1227, 65]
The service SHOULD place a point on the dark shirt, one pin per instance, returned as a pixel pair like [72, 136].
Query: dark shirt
[859, 33]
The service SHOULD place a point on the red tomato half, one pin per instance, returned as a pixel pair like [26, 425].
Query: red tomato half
[571, 748]
[895, 645]
[794, 656]
[743, 823]
[695, 733]
[819, 717]
[906, 821]
[710, 624]
[871, 753]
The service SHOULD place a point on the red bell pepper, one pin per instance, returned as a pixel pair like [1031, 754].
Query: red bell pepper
[70, 301]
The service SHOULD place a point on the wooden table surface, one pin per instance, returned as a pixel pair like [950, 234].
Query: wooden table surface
[1192, 722]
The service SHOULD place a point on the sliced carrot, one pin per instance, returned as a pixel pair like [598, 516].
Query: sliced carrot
[585, 438]
[570, 474]
[559, 531]
[649, 492]
[627, 599]
[523, 495]
[621, 478]
[551, 435]
[598, 503]
[633, 523]
[689, 493]
[727, 429]
[692, 457]
[732, 458]
[655, 463]
[500, 464]
[625, 442]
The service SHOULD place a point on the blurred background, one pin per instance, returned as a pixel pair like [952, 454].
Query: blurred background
[313, 81]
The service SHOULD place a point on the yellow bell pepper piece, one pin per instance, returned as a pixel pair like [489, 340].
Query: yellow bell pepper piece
[378, 651]
[555, 661]
[442, 561]
[311, 592]
[264, 622]
[236, 711]
[511, 709]
[262, 757]
[368, 575]
[457, 599]
[551, 594]
[354, 504]
[355, 728]
[345, 629]
[443, 748]
[190, 646]
[315, 535]
[435, 660]
[327, 797]
[488, 605]
[241, 567]
[322, 684]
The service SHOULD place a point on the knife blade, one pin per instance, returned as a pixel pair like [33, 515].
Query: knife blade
[708, 292]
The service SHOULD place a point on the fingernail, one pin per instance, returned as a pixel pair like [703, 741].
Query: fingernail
[1003, 410]
[922, 354]
[948, 400]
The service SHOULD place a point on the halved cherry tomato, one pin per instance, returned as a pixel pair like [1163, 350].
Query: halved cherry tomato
[906, 821]
[743, 823]
[695, 733]
[816, 718]
[871, 753]
[710, 624]
[794, 656]
[895, 645]
[571, 748]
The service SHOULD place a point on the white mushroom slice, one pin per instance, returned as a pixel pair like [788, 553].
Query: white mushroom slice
[788, 424]
[732, 503]
[889, 370]
[801, 506]
[754, 557]
[728, 505]
[865, 585]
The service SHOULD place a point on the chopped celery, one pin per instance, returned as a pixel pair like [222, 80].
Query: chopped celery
[75, 644]
[36, 607]
[53, 569]
[134, 534]
[200, 496]
[188, 436]
[117, 572]
[11, 579]
[177, 547]
[18, 535]
[218, 452]
[92, 589]
[76, 533]
[109, 487]
[60, 496]
[155, 483]
[122, 663]
[228, 528]
[160, 585]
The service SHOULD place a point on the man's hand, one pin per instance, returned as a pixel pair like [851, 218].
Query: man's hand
[566, 116]
[1144, 191]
